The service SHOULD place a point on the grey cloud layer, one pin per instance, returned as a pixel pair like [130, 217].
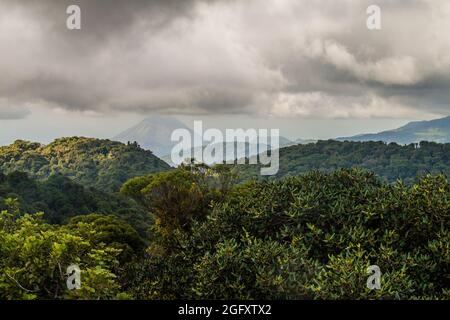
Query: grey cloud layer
[313, 59]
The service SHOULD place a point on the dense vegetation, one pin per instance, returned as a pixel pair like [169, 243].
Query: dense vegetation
[102, 164]
[60, 199]
[35, 255]
[389, 161]
[197, 232]
[308, 236]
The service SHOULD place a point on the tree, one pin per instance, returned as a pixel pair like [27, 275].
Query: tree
[34, 257]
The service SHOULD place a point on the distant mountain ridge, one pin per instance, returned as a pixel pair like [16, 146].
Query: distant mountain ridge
[437, 130]
[101, 164]
[154, 133]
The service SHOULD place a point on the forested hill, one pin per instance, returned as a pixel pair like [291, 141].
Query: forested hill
[389, 161]
[102, 164]
[60, 199]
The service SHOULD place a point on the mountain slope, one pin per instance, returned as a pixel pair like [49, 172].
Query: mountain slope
[153, 134]
[437, 130]
[389, 161]
[102, 164]
[60, 199]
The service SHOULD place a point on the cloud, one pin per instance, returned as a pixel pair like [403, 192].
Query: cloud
[284, 57]
[389, 71]
[321, 105]
[9, 111]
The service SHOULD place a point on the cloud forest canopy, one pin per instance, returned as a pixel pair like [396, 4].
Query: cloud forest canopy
[310, 236]
[102, 164]
[61, 199]
[389, 161]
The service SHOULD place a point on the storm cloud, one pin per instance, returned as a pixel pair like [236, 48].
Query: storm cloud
[307, 59]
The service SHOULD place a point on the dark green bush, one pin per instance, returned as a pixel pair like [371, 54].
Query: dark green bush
[312, 237]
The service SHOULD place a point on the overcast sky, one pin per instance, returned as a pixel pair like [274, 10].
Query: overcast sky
[310, 67]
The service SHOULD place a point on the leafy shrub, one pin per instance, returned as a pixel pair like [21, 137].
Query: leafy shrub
[312, 237]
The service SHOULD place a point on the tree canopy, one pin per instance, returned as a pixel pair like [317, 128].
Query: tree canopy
[389, 161]
[102, 164]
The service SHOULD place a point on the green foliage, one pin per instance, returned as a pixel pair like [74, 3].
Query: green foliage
[311, 237]
[60, 198]
[253, 268]
[111, 231]
[178, 196]
[34, 257]
[389, 161]
[102, 164]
